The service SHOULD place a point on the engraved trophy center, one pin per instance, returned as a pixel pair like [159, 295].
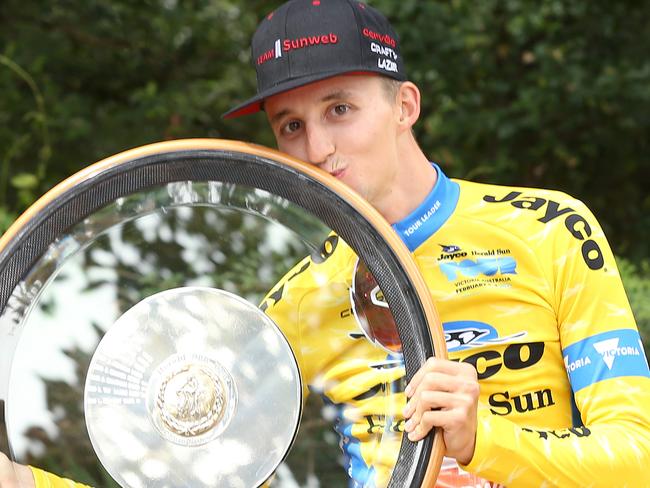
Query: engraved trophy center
[191, 400]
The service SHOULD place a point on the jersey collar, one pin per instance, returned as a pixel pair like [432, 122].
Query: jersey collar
[431, 214]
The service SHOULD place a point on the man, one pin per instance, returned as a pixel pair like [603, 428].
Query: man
[524, 280]
[547, 384]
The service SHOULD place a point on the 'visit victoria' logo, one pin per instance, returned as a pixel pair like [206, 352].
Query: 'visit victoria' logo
[476, 268]
[610, 354]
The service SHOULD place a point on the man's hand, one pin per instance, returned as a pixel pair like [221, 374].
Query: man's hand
[444, 394]
[13, 475]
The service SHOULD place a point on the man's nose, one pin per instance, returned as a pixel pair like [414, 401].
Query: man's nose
[320, 145]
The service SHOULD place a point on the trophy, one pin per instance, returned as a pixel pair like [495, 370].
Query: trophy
[211, 313]
[208, 412]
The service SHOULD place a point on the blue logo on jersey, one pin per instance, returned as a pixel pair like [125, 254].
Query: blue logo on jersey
[361, 475]
[449, 249]
[482, 266]
[612, 354]
[467, 334]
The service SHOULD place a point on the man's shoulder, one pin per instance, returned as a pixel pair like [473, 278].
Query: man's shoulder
[497, 193]
[537, 217]
[517, 204]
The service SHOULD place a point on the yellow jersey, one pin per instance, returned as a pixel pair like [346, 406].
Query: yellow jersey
[529, 294]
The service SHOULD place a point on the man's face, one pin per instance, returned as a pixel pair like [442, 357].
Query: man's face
[345, 125]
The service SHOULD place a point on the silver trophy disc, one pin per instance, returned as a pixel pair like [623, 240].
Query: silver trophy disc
[192, 387]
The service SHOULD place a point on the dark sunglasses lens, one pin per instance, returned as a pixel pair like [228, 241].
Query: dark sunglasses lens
[372, 312]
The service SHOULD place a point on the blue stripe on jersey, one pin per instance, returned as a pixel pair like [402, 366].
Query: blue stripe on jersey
[361, 475]
[612, 354]
[432, 213]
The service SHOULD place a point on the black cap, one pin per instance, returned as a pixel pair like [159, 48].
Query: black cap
[309, 40]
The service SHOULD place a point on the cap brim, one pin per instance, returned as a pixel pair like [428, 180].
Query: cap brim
[253, 105]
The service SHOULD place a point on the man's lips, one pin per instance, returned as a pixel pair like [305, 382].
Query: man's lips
[338, 173]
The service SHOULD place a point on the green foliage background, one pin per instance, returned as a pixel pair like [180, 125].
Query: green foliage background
[552, 93]
[548, 93]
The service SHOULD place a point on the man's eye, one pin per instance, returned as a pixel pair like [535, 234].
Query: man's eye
[341, 109]
[291, 127]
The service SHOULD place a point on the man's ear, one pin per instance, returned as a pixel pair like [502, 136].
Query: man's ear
[408, 104]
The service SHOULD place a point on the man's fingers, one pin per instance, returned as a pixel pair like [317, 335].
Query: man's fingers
[449, 420]
[427, 401]
[431, 382]
[433, 400]
[429, 366]
[441, 366]
[444, 394]
[428, 421]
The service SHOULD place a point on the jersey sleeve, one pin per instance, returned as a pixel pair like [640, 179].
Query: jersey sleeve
[43, 479]
[609, 441]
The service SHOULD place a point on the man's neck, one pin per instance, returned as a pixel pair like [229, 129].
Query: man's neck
[414, 181]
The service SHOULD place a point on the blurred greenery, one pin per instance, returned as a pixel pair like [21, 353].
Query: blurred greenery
[636, 278]
[551, 93]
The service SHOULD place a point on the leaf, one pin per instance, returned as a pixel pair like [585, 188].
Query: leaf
[24, 181]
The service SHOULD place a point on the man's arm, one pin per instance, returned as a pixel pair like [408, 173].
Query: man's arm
[609, 441]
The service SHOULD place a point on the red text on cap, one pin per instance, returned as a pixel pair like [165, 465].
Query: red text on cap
[301, 42]
[385, 38]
